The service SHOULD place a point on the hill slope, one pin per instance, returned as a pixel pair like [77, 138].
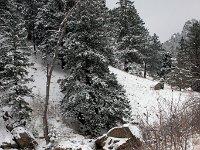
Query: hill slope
[145, 101]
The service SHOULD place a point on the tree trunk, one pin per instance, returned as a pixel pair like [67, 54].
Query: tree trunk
[34, 42]
[45, 115]
[145, 69]
[50, 68]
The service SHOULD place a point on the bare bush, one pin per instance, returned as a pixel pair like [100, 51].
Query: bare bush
[175, 127]
[37, 105]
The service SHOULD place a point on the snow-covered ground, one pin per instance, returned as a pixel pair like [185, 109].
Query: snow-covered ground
[145, 101]
[38, 72]
[5, 136]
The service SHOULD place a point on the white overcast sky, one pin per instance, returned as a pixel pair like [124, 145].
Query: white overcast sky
[165, 17]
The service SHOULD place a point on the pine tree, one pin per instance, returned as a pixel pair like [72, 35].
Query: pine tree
[166, 65]
[30, 9]
[188, 64]
[13, 63]
[153, 56]
[193, 49]
[92, 94]
[131, 34]
[48, 20]
[180, 75]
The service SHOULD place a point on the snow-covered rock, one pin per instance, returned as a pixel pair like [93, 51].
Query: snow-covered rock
[24, 138]
[120, 138]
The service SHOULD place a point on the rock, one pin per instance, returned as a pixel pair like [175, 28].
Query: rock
[24, 138]
[130, 144]
[6, 116]
[12, 145]
[196, 86]
[159, 86]
[100, 142]
[120, 138]
[123, 132]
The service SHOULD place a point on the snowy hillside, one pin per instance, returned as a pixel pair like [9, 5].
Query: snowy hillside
[38, 73]
[145, 101]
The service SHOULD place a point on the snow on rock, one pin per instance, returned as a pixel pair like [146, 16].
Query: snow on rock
[120, 138]
[146, 102]
[20, 130]
[114, 143]
[135, 131]
[24, 138]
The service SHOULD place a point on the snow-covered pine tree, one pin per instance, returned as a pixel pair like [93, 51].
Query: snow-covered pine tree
[166, 65]
[188, 64]
[153, 56]
[30, 10]
[13, 63]
[193, 49]
[112, 24]
[48, 19]
[180, 75]
[132, 35]
[92, 94]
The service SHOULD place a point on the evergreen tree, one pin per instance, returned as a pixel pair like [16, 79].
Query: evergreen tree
[193, 49]
[180, 75]
[13, 63]
[131, 37]
[48, 22]
[166, 65]
[188, 64]
[49, 19]
[112, 23]
[30, 9]
[92, 94]
[153, 56]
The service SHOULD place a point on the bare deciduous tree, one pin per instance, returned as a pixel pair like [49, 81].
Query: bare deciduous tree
[50, 67]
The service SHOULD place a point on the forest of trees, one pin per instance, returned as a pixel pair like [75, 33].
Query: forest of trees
[87, 38]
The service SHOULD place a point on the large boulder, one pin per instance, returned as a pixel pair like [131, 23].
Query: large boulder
[24, 138]
[120, 138]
